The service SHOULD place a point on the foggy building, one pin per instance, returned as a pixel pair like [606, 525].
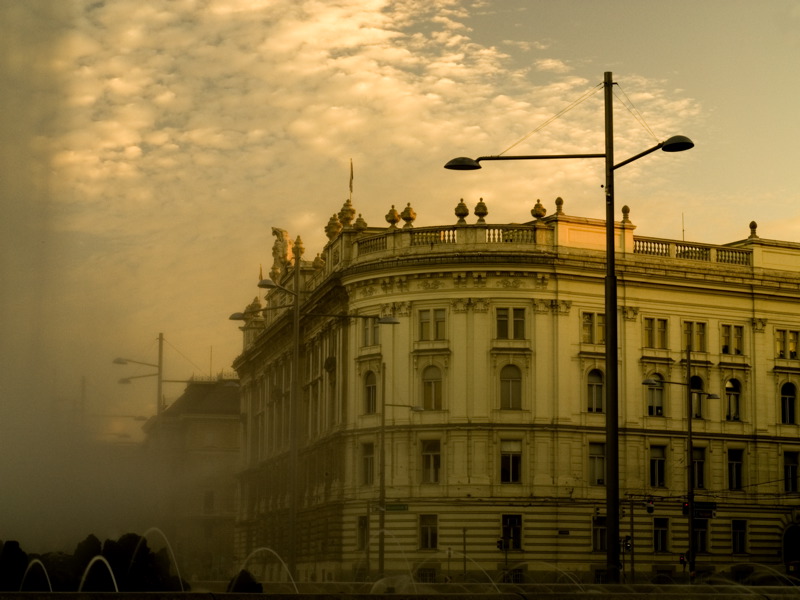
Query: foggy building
[193, 448]
[473, 430]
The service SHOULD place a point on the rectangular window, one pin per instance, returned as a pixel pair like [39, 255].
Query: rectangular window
[655, 399]
[431, 461]
[370, 332]
[658, 463]
[512, 532]
[510, 461]
[732, 337]
[739, 536]
[791, 462]
[597, 464]
[594, 328]
[428, 532]
[599, 534]
[432, 324]
[655, 333]
[786, 343]
[699, 467]
[701, 536]
[362, 534]
[510, 323]
[660, 534]
[694, 335]
[735, 460]
[371, 393]
[367, 463]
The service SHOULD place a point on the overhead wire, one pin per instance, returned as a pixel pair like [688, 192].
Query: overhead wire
[628, 104]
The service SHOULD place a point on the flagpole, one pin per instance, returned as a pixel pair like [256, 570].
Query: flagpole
[351, 179]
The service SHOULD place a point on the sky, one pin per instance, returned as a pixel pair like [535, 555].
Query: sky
[148, 148]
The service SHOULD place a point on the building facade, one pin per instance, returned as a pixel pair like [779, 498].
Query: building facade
[472, 433]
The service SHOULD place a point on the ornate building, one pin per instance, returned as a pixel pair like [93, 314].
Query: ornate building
[472, 433]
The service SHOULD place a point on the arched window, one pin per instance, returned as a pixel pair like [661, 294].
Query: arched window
[788, 403]
[432, 388]
[655, 396]
[733, 393]
[596, 392]
[510, 387]
[370, 393]
[696, 387]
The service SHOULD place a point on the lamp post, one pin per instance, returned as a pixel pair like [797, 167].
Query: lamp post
[690, 483]
[676, 143]
[159, 374]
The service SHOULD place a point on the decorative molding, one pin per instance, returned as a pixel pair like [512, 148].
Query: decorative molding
[428, 284]
[480, 305]
[541, 305]
[461, 305]
[460, 280]
[759, 324]
[540, 281]
[479, 279]
[510, 283]
[561, 307]
[629, 313]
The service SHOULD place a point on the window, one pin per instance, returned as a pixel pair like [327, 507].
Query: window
[596, 393]
[594, 328]
[735, 459]
[510, 461]
[733, 393]
[701, 536]
[597, 464]
[512, 532]
[599, 534]
[370, 332]
[432, 388]
[791, 462]
[370, 393]
[739, 536]
[660, 534]
[694, 335]
[362, 534]
[732, 339]
[699, 467]
[432, 324]
[367, 463]
[511, 323]
[425, 574]
[788, 403]
[655, 333]
[655, 397]
[431, 461]
[658, 462]
[510, 387]
[696, 387]
[786, 343]
[428, 532]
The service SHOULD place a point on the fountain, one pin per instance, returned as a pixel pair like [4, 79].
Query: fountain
[96, 559]
[31, 564]
[243, 568]
[169, 549]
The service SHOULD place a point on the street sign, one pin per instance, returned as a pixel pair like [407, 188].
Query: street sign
[705, 510]
[397, 507]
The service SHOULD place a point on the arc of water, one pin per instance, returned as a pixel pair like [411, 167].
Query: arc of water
[402, 553]
[31, 564]
[489, 577]
[88, 568]
[276, 555]
[169, 549]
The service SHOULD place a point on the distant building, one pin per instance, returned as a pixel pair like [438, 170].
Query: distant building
[490, 398]
[193, 446]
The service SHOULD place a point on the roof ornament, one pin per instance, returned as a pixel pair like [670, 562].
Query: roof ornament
[538, 211]
[462, 212]
[481, 211]
[408, 215]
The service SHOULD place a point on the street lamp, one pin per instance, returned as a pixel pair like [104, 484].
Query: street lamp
[159, 374]
[676, 143]
[690, 483]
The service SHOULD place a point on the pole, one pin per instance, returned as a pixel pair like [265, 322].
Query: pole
[382, 478]
[633, 546]
[612, 359]
[689, 460]
[160, 374]
[294, 476]
[464, 550]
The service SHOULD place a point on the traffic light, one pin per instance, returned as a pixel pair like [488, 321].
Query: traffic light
[685, 508]
[682, 559]
[500, 545]
[650, 507]
[628, 543]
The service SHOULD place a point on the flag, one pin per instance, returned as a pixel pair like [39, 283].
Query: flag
[351, 177]
[260, 273]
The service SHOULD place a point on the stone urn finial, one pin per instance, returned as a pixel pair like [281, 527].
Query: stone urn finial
[360, 224]
[538, 211]
[559, 206]
[347, 213]
[481, 211]
[408, 215]
[753, 227]
[333, 227]
[462, 212]
[392, 218]
[626, 214]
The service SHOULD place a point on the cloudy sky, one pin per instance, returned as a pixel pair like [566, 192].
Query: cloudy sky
[148, 148]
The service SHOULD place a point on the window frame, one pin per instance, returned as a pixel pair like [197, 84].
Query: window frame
[731, 339]
[596, 391]
[370, 393]
[510, 388]
[510, 461]
[735, 458]
[431, 454]
[597, 463]
[511, 531]
[695, 334]
[510, 323]
[791, 471]
[656, 333]
[432, 388]
[660, 534]
[788, 404]
[739, 536]
[658, 466]
[367, 463]
[428, 532]
[593, 328]
[432, 324]
[733, 400]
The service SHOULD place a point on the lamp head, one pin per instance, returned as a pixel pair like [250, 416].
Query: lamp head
[650, 382]
[677, 143]
[462, 163]
[712, 396]
[267, 284]
[237, 316]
